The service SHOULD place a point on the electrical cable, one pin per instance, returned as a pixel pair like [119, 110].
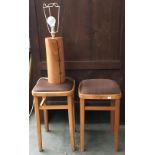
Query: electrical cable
[33, 100]
[31, 109]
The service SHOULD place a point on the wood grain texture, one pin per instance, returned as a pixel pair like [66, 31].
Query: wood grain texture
[46, 120]
[82, 124]
[37, 115]
[112, 116]
[117, 125]
[55, 60]
[71, 122]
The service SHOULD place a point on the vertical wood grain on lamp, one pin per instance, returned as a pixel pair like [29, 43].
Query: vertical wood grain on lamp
[55, 59]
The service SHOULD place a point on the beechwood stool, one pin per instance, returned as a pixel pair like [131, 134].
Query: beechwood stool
[100, 89]
[43, 89]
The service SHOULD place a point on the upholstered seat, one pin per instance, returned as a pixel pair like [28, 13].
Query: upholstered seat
[99, 86]
[42, 85]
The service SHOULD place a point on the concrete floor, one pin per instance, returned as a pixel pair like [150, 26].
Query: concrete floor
[98, 137]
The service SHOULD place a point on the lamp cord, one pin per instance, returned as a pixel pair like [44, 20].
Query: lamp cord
[31, 109]
[33, 100]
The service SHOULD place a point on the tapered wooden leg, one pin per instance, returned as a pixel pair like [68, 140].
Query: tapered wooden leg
[112, 116]
[46, 120]
[73, 113]
[37, 115]
[71, 122]
[117, 124]
[82, 122]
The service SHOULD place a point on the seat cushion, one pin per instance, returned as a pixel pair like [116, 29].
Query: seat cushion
[99, 86]
[42, 85]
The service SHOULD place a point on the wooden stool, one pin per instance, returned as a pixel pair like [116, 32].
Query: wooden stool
[100, 89]
[44, 89]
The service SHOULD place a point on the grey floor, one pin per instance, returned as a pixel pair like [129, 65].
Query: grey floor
[98, 137]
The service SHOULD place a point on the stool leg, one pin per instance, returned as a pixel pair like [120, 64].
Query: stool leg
[82, 122]
[73, 113]
[117, 124]
[46, 120]
[71, 122]
[37, 115]
[112, 116]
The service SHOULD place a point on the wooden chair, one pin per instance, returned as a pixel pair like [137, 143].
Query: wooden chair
[43, 89]
[100, 89]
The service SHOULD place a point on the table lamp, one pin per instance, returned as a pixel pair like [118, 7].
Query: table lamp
[54, 46]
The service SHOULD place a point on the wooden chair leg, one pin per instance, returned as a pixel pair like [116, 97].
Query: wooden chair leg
[112, 116]
[46, 120]
[117, 124]
[82, 122]
[71, 122]
[37, 115]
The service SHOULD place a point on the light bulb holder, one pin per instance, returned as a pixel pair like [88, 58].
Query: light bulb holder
[52, 29]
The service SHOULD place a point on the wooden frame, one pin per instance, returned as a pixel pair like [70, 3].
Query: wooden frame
[43, 106]
[114, 114]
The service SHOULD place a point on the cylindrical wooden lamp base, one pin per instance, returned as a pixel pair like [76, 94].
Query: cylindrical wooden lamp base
[55, 60]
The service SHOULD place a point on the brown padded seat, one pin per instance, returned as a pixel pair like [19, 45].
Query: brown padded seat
[42, 85]
[99, 86]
